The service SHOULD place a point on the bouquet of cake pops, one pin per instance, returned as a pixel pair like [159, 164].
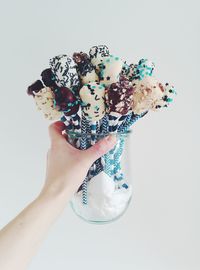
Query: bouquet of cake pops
[96, 94]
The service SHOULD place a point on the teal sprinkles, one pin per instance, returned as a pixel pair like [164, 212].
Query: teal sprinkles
[142, 69]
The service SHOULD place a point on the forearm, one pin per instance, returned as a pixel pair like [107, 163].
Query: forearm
[21, 238]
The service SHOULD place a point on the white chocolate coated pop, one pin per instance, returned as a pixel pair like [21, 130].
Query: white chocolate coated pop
[89, 77]
[64, 69]
[97, 53]
[93, 98]
[147, 92]
[44, 100]
[110, 69]
[168, 96]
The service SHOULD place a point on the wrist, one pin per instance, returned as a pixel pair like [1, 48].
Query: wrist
[55, 193]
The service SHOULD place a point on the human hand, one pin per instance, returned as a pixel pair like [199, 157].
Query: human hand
[68, 166]
[66, 170]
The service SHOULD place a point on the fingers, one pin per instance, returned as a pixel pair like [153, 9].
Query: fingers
[56, 135]
[100, 148]
[55, 131]
[89, 155]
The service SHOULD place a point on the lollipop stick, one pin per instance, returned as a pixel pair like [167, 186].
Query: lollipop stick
[124, 122]
[121, 120]
[69, 127]
[110, 157]
[98, 163]
[113, 122]
[93, 128]
[118, 175]
[76, 122]
[97, 166]
[124, 127]
[105, 129]
[67, 121]
[93, 132]
[83, 145]
[131, 119]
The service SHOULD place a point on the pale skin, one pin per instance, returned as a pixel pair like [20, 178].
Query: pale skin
[66, 168]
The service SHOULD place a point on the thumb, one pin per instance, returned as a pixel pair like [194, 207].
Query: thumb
[55, 131]
[100, 148]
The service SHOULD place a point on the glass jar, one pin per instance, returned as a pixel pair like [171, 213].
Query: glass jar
[106, 191]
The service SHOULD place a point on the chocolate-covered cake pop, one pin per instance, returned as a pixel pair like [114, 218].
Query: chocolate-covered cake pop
[119, 96]
[85, 68]
[35, 88]
[48, 78]
[44, 100]
[66, 101]
[64, 70]
[93, 99]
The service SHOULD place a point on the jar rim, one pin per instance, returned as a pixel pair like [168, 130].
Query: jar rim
[97, 135]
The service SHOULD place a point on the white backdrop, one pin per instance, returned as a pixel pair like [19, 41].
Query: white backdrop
[161, 228]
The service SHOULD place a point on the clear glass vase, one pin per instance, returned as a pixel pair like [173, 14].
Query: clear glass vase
[106, 191]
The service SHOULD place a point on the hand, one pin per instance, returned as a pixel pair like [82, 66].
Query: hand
[68, 166]
[66, 170]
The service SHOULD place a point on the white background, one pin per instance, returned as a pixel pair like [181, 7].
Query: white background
[161, 228]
